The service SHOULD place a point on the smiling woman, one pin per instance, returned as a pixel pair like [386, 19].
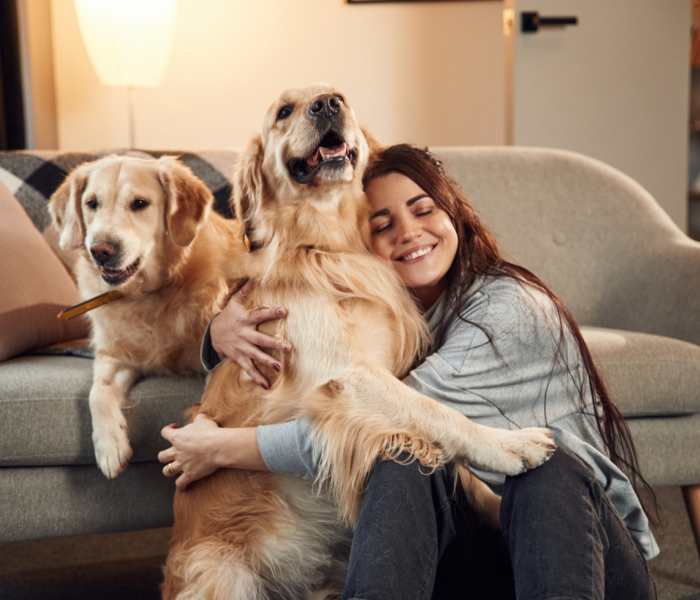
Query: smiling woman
[410, 230]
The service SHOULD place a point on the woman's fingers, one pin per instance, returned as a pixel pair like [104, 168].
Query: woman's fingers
[247, 365]
[183, 481]
[167, 456]
[262, 340]
[244, 292]
[261, 315]
[167, 431]
[172, 469]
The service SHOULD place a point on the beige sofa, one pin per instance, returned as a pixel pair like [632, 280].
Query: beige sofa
[629, 276]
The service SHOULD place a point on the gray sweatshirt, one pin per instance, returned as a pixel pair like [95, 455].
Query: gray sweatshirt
[524, 378]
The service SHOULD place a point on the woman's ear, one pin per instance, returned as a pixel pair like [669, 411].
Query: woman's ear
[249, 184]
[65, 206]
[187, 200]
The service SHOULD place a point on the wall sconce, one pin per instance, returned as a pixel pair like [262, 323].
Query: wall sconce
[128, 42]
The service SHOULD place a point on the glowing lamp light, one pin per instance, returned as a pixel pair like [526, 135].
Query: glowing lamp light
[128, 41]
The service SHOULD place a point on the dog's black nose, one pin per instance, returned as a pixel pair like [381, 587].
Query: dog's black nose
[103, 252]
[325, 105]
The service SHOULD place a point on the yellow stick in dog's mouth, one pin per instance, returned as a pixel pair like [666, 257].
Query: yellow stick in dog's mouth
[84, 307]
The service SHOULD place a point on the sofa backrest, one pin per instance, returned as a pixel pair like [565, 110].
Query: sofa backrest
[591, 233]
[587, 230]
[33, 176]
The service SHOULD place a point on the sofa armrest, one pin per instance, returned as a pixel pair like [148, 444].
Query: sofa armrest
[659, 295]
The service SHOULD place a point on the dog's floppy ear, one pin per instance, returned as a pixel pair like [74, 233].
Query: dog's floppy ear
[187, 200]
[249, 183]
[66, 210]
[374, 146]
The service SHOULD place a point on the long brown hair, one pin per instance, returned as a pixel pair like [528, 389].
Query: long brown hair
[478, 255]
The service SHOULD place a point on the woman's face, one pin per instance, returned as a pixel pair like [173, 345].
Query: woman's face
[410, 230]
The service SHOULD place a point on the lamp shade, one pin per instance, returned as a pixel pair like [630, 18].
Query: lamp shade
[128, 41]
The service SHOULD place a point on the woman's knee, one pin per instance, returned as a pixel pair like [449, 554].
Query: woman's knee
[563, 468]
[563, 480]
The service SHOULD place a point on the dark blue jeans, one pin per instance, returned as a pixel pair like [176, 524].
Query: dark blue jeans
[561, 539]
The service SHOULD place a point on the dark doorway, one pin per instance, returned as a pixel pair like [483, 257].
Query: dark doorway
[12, 134]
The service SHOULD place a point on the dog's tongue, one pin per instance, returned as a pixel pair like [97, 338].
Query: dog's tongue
[322, 153]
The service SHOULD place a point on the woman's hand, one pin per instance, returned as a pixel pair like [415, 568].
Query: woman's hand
[235, 335]
[202, 447]
[194, 452]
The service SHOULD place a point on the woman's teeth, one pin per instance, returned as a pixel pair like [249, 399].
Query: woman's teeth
[418, 253]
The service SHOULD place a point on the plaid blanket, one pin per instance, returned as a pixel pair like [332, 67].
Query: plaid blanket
[33, 176]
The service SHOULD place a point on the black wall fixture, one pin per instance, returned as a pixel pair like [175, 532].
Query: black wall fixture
[12, 133]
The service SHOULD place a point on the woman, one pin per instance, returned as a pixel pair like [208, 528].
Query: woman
[506, 353]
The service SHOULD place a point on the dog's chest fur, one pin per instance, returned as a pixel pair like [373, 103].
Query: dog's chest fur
[160, 331]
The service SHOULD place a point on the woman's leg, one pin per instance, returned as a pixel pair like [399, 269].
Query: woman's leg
[566, 539]
[411, 530]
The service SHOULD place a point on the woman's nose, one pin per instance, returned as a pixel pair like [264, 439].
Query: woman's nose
[408, 233]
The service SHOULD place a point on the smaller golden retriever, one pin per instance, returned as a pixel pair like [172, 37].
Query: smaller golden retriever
[146, 229]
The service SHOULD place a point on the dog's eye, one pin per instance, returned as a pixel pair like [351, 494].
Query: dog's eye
[284, 112]
[91, 204]
[139, 204]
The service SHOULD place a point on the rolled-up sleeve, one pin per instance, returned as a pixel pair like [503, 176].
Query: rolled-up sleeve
[209, 357]
[287, 448]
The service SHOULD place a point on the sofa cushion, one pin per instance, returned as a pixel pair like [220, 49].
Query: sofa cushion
[646, 375]
[35, 286]
[45, 416]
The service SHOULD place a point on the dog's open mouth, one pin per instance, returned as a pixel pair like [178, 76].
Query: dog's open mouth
[331, 152]
[115, 277]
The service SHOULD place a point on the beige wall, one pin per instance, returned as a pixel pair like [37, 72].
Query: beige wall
[426, 73]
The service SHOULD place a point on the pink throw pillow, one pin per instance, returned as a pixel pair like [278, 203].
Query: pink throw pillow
[34, 286]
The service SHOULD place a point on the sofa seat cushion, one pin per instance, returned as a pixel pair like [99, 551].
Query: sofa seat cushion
[45, 415]
[646, 375]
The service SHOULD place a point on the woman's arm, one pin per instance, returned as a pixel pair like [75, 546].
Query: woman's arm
[233, 334]
[202, 447]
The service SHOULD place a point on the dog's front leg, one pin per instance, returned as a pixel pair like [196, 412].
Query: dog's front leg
[109, 388]
[369, 414]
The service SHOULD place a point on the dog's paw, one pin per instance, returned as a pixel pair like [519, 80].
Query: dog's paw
[528, 448]
[112, 449]
[514, 452]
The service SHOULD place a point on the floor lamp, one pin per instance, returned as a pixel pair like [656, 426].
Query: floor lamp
[128, 42]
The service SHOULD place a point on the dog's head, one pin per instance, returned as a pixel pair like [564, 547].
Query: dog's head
[128, 215]
[311, 150]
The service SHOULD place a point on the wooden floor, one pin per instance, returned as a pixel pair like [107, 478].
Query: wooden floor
[127, 565]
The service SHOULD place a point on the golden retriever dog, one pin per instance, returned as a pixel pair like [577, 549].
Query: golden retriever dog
[355, 330]
[146, 229]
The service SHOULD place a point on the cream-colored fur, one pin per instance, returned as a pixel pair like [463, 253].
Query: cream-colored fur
[355, 330]
[182, 248]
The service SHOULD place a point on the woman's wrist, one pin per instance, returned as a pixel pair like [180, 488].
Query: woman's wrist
[238, 448]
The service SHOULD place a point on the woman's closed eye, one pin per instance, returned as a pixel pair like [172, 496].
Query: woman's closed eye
[382, 227]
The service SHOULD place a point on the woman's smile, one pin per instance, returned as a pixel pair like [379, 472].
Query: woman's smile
[415, 254]
[411, 231]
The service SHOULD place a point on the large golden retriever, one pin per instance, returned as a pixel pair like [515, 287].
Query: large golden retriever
[355, 329]
[145, 228]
